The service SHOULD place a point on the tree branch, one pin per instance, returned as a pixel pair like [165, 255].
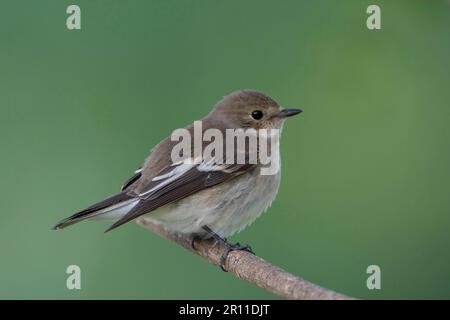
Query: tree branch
[251, 268]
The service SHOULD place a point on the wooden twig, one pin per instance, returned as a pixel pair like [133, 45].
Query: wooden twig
[251, 268]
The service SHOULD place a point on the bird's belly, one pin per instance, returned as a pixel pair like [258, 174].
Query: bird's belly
[225, 208]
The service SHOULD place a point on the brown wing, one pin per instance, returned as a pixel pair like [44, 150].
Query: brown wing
[172, 185]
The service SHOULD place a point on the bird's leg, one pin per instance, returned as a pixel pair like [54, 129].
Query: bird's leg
[228, 247]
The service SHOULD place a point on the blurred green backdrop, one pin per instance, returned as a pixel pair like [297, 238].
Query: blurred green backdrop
[366, 175]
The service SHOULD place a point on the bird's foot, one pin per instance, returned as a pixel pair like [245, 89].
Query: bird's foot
[228, 247]
[231, 247]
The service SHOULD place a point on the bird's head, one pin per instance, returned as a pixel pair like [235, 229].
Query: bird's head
[251, 109]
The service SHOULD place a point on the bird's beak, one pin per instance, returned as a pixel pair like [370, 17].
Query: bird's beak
[284, 113]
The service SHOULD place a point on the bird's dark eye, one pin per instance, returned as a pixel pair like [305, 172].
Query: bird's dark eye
[257, 115]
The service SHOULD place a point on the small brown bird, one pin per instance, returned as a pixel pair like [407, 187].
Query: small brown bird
[206, 197]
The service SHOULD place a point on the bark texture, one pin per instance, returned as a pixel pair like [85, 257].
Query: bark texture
[251, 268]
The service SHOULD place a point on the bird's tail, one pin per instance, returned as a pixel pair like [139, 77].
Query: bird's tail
[112, 208]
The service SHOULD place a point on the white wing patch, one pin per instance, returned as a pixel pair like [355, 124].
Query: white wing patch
[180, 168]
[210, 166]
[167, 178]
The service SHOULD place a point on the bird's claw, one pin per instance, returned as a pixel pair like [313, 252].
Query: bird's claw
[232, 247]
[194, 239]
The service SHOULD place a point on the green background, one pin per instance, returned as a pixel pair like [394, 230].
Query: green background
[366, 175]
